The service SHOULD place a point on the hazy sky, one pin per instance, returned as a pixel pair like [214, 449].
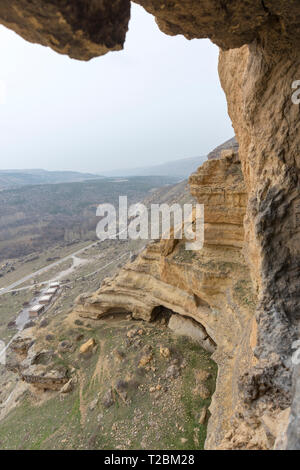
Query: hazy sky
[158, 100]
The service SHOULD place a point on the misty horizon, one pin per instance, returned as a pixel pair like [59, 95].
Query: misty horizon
[149, 104]
[7, 170]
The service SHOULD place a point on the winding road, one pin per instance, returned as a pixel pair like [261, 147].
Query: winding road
[12, 286]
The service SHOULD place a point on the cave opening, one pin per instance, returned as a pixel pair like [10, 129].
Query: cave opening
[184, 325]
[161, 314]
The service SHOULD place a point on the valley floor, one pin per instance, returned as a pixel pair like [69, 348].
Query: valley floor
[141, 386]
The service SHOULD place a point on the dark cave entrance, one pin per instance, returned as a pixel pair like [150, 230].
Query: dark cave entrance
[161, 313]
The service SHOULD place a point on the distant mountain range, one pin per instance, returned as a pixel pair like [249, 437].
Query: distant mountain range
[15, 178]
[178, 168]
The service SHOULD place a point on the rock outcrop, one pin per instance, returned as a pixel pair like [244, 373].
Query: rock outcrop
[259, 61]
[230, 24]
[88, 29]
[38, 368]
[80, 29]
[211, 286]
[183, 326]
[258, 89]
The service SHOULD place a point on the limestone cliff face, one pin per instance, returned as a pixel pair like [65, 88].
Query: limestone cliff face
[257, 76]
[230, 144]
[258, 90]
[211, 286]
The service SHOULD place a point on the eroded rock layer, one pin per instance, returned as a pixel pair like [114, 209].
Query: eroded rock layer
[266, 121]
[212, 286]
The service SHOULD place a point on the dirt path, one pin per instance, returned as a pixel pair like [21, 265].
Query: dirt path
[82, 404]
[45, 269]
[101, 365]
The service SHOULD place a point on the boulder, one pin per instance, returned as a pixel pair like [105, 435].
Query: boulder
[88, 346]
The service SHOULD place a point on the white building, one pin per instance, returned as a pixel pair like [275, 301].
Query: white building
[51, 291]
[36, 310]
[54, 284]
[45, 300]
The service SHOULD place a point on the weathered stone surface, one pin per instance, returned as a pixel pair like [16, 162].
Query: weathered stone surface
[266, 123]
[203, 415]
[77, 28]
[230, 24]
[68, 387]
[88, 29]
[35, 367]
[21, 345]
[188, 327]
[43, 379]
[88, 346]
[224, 203]
[212, 287]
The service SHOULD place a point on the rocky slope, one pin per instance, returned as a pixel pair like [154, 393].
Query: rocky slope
[114, 383]
[211, 286]
[260, 42]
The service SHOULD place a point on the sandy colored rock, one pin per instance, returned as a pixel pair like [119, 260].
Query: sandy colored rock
[132, 333]
[208, 292]
[68, 387]
[188, 327]
[267, 127]
[85, 30]
[145, 360]
[203, 415]
[164, 352]
[88, 346]
[225, 203]
[212, 295]
[230, 24]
